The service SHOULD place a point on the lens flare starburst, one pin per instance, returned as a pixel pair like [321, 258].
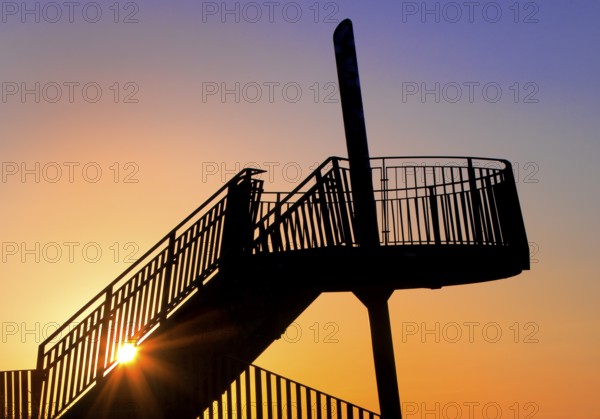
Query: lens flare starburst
[127, 353]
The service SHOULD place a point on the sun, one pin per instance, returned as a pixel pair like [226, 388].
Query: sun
[127, 353]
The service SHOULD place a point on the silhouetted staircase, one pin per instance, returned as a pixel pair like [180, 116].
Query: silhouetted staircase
[229, 279]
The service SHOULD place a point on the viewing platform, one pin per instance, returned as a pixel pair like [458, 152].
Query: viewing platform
[441, 221]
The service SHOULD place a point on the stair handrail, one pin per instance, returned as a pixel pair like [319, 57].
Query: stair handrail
[248, 367]
[105, 296]
[297, 189]
[244, 172]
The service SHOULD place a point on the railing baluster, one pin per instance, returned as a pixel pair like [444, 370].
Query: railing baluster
[476, 203]
[248, 393]
[167, 278]
[238, 397]
[228, 400]
[14, 400]
[3, 390]
[279, 400]
[456, 213]
[258, 387]
[100, 365]
[435, 220]
[488, 228]
[219, 406]
[288, 399]
[205, 255]
[324, 207]
[9, 386]
[318, 404]
[72, 367]
[298, 402]
[269, 395]
[465, 214]
[37, 383]
[25, 385]
[175, 276]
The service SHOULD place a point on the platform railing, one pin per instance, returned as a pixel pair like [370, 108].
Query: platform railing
[419, 201]
[444, 200]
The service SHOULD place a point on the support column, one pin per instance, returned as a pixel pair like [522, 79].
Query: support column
[383, 351]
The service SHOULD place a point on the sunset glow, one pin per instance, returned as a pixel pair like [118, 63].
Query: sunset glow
[115, 128]
[127, 353]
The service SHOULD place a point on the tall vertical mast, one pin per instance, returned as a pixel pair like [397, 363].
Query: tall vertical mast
[356, 136]
[365, 219]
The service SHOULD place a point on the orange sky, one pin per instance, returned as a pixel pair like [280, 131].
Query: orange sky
[155, 155]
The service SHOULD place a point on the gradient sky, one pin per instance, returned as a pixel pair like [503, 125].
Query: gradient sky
[167, 144]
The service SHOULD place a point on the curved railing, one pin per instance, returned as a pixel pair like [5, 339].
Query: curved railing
[419, 201]
[446, 200]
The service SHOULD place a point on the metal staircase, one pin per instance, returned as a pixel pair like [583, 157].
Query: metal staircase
[228, 280]
[445, 210]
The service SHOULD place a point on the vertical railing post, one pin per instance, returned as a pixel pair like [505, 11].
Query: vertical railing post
[276, 237]
[343, 204]
[324, 210]
[512, 218]
[169, 262]
[475, 202]
[435, 218]
[258, 393]
[238, 228]
[385, 228]
[104, 334]
[37, 383]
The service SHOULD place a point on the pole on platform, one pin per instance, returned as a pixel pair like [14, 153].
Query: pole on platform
[365, 220]
[365, 216]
